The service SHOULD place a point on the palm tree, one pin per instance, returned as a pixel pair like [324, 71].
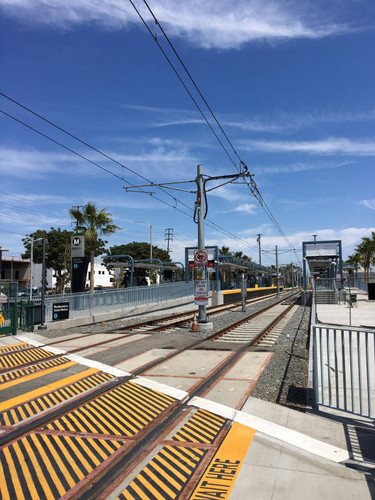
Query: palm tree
[224, 251]
[366, 250]
[93, 223]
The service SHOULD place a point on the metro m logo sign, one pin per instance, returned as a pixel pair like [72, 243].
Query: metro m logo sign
[78, 246]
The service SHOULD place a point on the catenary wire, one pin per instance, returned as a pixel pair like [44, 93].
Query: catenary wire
[209, 222]
[185, 86]
[254, 189]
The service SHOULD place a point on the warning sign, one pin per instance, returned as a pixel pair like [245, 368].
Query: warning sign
[200, 257]
[1, 318]
[201, 292]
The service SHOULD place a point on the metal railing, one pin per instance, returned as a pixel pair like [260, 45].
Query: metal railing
[344, 369]
[361, 285]
[85, 304]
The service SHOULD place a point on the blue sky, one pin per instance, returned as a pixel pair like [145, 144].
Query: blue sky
[291, 82]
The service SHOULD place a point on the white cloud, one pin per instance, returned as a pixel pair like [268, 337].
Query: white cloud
[248, 208]
[368, 203]
[298, 167]
[328, 146]
[224, 24]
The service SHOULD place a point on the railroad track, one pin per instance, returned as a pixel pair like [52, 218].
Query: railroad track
[271, 321]
[78, 417]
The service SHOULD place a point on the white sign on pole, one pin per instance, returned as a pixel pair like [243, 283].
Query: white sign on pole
[201, 292]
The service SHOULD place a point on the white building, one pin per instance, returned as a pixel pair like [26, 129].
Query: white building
[102, 277]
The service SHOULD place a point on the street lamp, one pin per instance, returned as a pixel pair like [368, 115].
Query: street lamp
[148, 224]
[43, 241]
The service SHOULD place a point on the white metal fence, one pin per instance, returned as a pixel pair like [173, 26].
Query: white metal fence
[84, 304]
[344, 367]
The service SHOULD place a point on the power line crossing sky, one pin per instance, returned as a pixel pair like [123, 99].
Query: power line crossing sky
[291, 83]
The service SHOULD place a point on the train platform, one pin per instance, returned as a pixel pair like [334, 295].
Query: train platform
[270, 452]
[361, 314]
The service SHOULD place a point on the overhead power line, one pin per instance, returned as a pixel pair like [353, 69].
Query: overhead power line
[251, 184]
[210, 223]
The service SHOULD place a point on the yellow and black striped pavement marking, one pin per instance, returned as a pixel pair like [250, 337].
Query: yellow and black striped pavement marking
[14, 347]
[168, 473]
[123, 411]
[31, 406]
[220, 476]
[40, 466]
[23, 356]
[33, 371]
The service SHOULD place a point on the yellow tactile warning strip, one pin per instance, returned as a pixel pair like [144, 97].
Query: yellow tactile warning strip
[167, 474]
[14, 347]
[202, 427]
[27, 396]
[220, 476]
[48, 400]
[122, 411]
[42, 466]
[12, 360]
[17, 376]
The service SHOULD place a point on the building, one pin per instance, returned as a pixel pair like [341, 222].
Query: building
[103, 278]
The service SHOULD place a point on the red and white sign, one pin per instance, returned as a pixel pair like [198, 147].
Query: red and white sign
[200, 257]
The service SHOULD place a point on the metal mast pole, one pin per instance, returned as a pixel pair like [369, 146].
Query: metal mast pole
[42, 326]
[292, 276]
[277, 271]
[260, 250]
[31, 268]
[201, 209]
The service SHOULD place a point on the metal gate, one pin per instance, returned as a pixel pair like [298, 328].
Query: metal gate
[344, 369]
[8, 308]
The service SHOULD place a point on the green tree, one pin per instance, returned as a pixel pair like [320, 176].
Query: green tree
[139, 251]
[93, 223]
[57, 253]
[366, 252]
[224, 251]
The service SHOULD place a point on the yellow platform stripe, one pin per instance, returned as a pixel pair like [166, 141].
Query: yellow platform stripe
[122, 411]
[238, 290]
[14, 347]
[4, 405]
[44, 368]
[49, 400]
[22, 357]
[42, 466]
[221, 474]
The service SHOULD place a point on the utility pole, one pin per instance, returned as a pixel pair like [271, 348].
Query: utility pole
[200, 213]
[168, 236]
[201, 209]
[31, 267]
[277, 271]
[292, 275]
[43, 241]
[314, 236]
[260, 250]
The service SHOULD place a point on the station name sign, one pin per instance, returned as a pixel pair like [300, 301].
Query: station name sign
[60, 310]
